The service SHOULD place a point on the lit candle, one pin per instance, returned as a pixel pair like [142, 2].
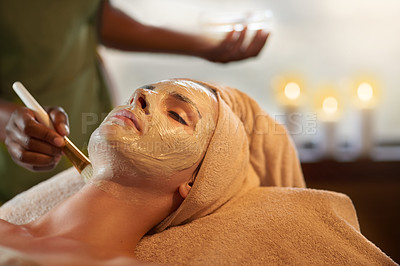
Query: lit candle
[329, 117]
[292, 93]
[365, 95]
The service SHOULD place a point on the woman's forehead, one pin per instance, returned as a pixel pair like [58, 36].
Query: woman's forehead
[183, 86]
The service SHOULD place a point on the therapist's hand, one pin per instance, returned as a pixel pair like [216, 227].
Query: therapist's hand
[33, 145]
[232, 48]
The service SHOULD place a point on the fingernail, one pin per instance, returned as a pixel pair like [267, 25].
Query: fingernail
[66, 129]
[58, 141]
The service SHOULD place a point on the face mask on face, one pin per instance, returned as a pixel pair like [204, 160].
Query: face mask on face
[161, 147]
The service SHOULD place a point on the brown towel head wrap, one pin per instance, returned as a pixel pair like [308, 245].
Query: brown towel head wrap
[248, 148]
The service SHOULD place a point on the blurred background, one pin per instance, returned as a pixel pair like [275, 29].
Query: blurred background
[329, 72]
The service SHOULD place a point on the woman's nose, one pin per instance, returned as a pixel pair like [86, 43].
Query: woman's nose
[142, 100]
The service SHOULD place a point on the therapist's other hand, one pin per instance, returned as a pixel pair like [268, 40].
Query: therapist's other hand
[33, 145]
[232, 48]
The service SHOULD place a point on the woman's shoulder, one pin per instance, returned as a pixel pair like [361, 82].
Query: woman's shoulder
[9, 231]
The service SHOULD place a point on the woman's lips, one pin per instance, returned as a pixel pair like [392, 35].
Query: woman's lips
[128, 116]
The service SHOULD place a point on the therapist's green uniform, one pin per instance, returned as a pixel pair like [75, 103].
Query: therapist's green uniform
[50, 46]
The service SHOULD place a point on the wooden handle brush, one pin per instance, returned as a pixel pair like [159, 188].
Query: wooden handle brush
[77, 158]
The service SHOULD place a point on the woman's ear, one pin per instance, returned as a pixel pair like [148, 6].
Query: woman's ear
[184, 189]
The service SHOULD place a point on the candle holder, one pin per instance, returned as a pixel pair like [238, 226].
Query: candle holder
[366, 102]
[329, 116]
[290, 94]
[329, 111]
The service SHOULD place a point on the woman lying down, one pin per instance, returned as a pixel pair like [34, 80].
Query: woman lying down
[185, 173]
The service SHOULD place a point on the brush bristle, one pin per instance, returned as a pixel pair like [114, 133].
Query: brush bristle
[87, 173]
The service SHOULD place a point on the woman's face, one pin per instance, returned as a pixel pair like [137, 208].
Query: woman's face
[163, 129]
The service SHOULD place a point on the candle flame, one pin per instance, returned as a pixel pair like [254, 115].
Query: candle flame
[292, 90]
[330, 105]
[365, 92]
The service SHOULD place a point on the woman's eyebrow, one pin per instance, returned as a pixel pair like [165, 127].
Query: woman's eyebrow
[185, 99]
[148, 87]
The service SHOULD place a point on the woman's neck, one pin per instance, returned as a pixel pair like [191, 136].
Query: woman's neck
[99, 219]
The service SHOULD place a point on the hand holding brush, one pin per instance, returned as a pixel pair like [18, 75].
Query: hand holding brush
[40, 149]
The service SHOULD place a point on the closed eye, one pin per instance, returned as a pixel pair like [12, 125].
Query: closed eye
[177, 117]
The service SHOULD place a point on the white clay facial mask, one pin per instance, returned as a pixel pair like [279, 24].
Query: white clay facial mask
[164, 128]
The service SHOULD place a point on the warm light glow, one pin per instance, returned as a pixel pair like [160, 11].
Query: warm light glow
[365, 92]
[330, 105]
[292, 90]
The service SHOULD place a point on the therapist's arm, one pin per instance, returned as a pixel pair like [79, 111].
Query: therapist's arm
[118, 30]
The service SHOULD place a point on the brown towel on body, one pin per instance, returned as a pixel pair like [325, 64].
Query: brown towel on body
[228, 219]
